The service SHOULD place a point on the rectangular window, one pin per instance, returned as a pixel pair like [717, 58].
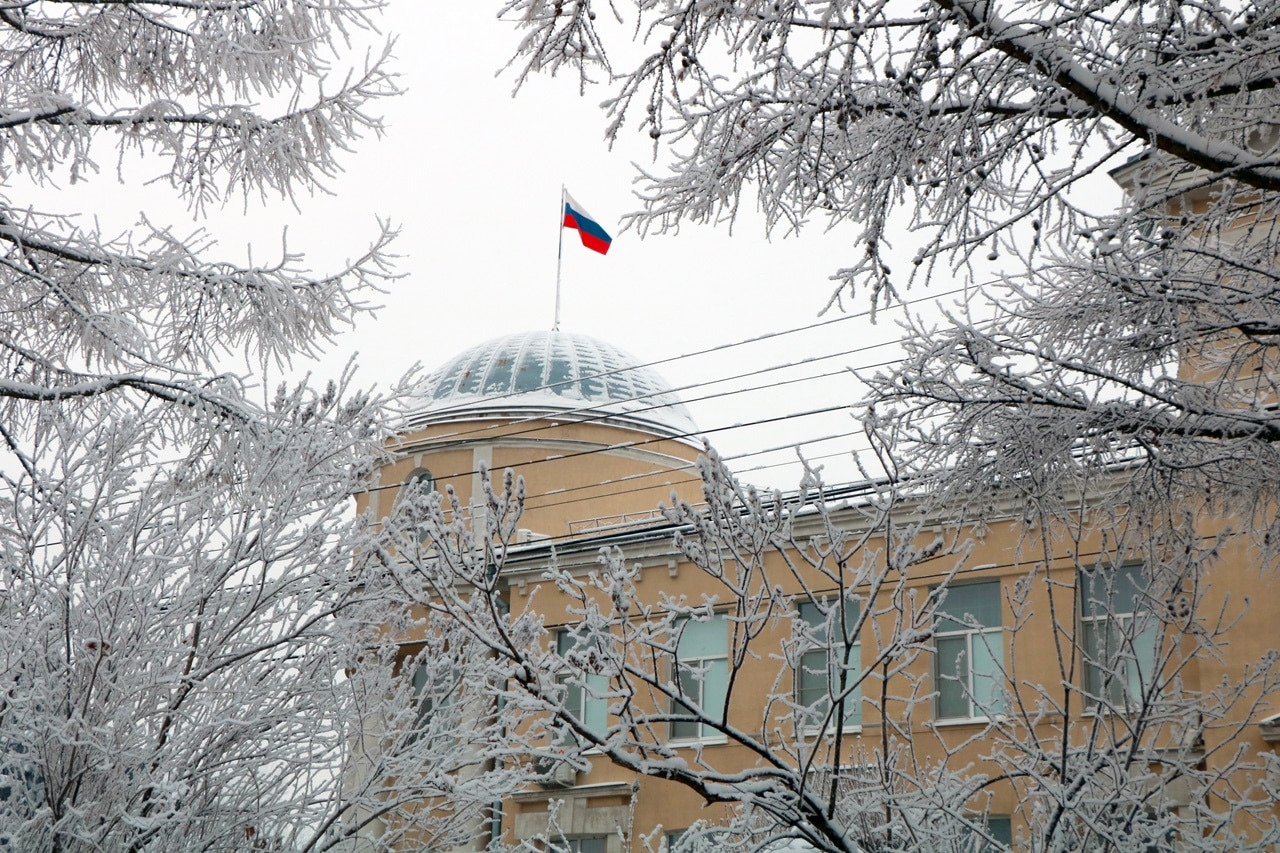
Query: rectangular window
[969, 642]
[700, 836]
[1118, 637]
[702, 676]
[585, 844]
[437, 685]
[999, 835]
[829, 662]
[585, 691]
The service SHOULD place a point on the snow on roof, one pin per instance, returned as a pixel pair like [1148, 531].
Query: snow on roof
[551, 373]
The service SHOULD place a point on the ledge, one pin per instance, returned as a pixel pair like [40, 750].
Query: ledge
[1270, 728]
[601, 789]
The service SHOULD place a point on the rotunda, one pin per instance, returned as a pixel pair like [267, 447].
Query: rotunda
[600, 438]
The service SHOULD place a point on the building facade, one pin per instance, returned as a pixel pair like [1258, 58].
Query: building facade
[851, 658]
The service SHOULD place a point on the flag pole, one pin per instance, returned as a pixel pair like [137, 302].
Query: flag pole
[555, 327]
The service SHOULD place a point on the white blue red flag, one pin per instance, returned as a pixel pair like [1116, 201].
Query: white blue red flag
[593, 236]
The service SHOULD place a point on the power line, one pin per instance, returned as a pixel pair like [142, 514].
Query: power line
[708, 350]
[660, 471]
[626, 445]
[711, 350]
[596, 416]
[459, 438]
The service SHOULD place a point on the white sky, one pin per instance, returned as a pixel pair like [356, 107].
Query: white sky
[472, 179]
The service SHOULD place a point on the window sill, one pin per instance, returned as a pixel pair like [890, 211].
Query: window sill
[1111, 711]
[850, 729]
[952, 722]
[695, 743]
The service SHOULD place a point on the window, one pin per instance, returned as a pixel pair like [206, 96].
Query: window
[701, 835]
[827, 666]
[969, 642]
[21, 787]
[702, 675]
[437, 693]
[422, 481]
[417, 486]
[584, 690]
[1118, 636]
[586, 844]
[999, 835]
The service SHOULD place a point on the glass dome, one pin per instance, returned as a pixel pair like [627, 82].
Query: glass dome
[556, 373]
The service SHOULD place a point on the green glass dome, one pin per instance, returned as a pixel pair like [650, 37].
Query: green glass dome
[552, 373]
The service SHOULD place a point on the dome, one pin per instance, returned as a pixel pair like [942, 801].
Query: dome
[552, 373]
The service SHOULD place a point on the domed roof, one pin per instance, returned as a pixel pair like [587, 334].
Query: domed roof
[552, 373]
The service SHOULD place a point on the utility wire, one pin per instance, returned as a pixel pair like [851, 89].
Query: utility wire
[594, 414]
[462, 407]
[451, 439]
[660, 471]
[626, 445]
[717, 349]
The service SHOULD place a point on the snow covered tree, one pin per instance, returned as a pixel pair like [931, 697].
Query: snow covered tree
[974, 122]
[854, 671]
[187, 658]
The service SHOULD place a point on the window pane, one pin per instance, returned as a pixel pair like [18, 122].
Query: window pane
[715, 685]
[691, 688]
[1095, 656]
[703, 638]
[1001, 829]
[966, 603]
[813, 616]
[690, 685]
[1142, 668]
[816, 618]
[826, 663]
[587, 704]
[1106, 592]
[684, 729]
[595, 712]
[852, 705]
[702, 671]
[953, 673]
[573, 700]
[811, 681]
[1118, 637]
[988, 657]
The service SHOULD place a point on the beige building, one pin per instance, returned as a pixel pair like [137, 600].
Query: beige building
[1061, 640]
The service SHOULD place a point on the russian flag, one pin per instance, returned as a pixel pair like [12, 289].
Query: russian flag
[593, 236]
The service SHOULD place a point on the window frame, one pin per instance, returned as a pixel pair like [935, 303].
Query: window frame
[584, 698]
[971, 632]
[429, 701]
[674, 839]
[699, 668]
[1096, 676]
[998, 827]
[573, 844]
[817, 641]
[411, 481]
